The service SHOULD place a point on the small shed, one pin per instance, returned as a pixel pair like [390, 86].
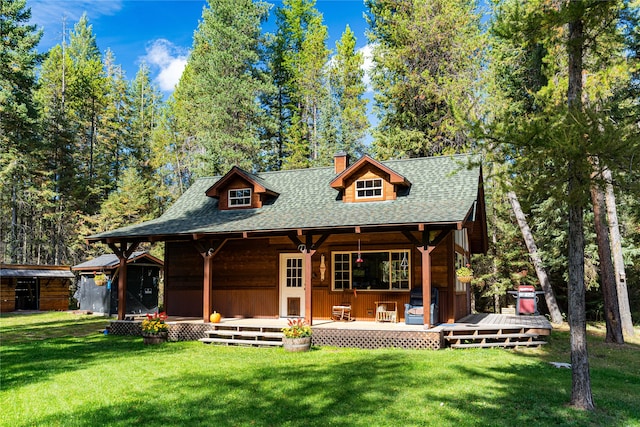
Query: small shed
[34, 287]
[98, 285]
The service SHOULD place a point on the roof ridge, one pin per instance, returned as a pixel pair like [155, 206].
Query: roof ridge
[273, 172]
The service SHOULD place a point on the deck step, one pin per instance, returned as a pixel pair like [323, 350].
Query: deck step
[501, 344]
[489, 336]
[231, 341]
[244, 336]
[241, 333]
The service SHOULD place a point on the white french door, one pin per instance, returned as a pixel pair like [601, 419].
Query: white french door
[291, 285]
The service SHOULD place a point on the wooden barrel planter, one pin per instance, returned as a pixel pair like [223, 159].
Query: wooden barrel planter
[296, 345]
[151, 339]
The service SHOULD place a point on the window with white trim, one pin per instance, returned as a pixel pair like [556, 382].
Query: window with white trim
[372, 270]
[368, 188]
[240, 197]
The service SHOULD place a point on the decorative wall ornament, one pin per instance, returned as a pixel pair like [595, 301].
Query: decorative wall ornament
[323, 267]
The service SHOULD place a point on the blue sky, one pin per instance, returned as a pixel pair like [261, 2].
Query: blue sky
[160, 32]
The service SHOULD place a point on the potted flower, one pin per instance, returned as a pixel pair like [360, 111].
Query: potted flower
[154, 328]
[297, 336]
[465, 274]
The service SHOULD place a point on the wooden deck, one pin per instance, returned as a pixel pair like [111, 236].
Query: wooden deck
[488, 329]
[497, 320]
[496, 330]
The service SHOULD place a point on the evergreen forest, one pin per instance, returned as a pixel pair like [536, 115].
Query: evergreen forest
[545, 92]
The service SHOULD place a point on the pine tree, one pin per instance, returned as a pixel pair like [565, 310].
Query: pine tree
[216, 101]
[298, 56]
[85, 95]
[426, 65]
[20, 153]
[146, 101]
[552, 144]
[347, 90]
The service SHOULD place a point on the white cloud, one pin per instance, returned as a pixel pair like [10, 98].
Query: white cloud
[49, 14]
[367, 65]
[170, 61]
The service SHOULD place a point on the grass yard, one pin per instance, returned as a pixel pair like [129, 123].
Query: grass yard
[58, 370]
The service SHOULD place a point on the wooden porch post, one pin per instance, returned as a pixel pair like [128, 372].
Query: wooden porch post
[123, 253]
[308, 274]
[426, 283]
[206, 290]
[122, 289]
[208, 249]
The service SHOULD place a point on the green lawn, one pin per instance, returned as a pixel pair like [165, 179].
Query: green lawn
[58, 370]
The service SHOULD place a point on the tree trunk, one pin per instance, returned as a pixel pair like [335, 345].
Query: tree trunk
[581, 380]
[550, 297]
[581, 396]
[616, 254]
[607, 275]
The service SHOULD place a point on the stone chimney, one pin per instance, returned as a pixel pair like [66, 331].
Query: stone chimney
[340, 161]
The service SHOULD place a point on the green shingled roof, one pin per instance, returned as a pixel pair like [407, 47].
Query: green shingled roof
[443, 190]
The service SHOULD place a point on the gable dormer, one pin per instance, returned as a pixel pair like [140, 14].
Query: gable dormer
[367, 180]
[239, 189]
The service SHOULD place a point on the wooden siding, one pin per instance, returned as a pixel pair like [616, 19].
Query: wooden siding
[54, 294]
[368, 172]
[184, 270]
[7, 294]
[246, 277]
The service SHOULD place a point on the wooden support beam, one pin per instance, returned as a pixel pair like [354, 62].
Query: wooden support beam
[308, 275]
[426, 283]
[208, 249]
[207, 284]
[413, 239]
[123, 252]
[295, 240]
[320, 241]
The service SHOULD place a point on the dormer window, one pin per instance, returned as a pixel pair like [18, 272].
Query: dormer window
[368, 188]
[240, 197]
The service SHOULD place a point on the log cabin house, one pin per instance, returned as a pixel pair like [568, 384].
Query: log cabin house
[297, 243]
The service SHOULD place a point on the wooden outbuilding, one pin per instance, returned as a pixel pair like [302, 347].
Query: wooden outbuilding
[35, 287]
[97, 289]
[300, 243]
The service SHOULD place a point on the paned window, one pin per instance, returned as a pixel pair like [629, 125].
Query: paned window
[294, 272]
[367, 188]
[240, 197]
[385, 270]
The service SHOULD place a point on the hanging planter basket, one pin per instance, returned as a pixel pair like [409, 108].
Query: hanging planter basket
[465, 279]
[100, 279]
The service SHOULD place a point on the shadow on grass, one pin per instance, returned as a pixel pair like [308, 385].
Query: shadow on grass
[373, 390]
[37, 361]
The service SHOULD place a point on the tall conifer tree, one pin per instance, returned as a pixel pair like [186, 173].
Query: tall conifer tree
[426, 66]
[346, 76]
[298, 57]
[553, 142]
[19, 151]
[216, 101]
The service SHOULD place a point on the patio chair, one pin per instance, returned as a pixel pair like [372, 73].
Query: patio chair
[341, 312]
[414, 311]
